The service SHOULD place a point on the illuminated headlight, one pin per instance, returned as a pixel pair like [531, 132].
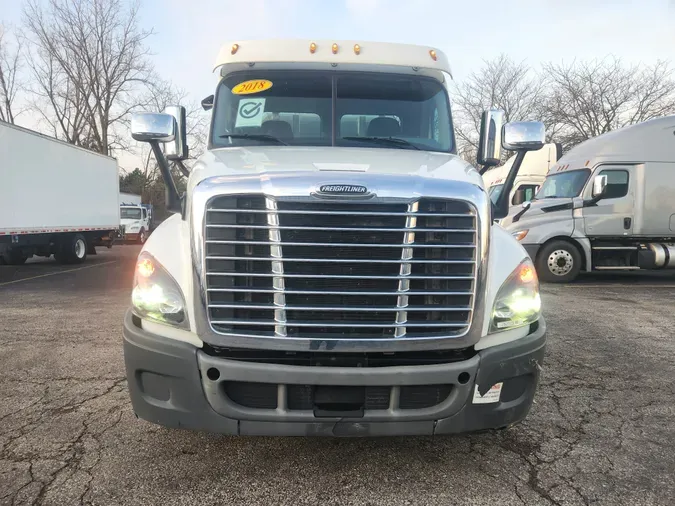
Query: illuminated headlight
[518, 302]
[156, 295]
[520, 235]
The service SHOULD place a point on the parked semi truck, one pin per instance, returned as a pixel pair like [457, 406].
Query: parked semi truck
[55, 198]
[314, 281]
[607, 205]
[531, 174]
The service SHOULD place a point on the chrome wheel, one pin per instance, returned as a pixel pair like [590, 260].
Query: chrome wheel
[80, 248]
[560, 262]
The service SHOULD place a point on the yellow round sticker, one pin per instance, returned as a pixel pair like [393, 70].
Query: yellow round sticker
[254, 86]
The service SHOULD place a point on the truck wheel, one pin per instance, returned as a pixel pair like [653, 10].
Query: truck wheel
[142, 236]
[15, 257]
[558, 262]
[73, 250]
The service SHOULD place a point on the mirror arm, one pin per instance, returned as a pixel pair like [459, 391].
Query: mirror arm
[181, 166]
[173, 200]
[502, 205]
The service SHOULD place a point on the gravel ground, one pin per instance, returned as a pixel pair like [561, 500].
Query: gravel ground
[602, 430]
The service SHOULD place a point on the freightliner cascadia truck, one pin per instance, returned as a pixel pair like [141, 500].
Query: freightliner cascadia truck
[333, 267]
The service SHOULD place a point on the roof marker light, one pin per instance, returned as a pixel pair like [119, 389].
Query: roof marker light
[335, 48]
[433, 55]
[312, 48]
[235, 48]
[357, 49]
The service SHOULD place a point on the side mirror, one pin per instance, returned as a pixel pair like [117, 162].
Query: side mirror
[178, 149]
[489, 144]
[150, 126]
[524, 135]
[599, 186]
[518, 197]
[207, 103]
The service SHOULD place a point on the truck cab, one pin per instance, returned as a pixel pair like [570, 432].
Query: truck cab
[135, 223]
[604, 206]
[330, 267]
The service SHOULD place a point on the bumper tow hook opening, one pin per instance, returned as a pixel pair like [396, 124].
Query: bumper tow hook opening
[213, 374]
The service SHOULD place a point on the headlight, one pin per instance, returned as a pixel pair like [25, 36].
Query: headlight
[156, 295]
[520, 235]
[518, 302]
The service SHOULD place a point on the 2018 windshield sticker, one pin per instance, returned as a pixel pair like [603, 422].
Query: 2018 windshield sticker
[253, 86]
[250, 112]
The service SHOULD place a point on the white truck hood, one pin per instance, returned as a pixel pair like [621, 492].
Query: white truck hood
[263, 160]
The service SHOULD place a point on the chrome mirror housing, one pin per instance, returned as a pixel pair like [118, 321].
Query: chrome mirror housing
[150, 126]
[490, 142]
[524, 135]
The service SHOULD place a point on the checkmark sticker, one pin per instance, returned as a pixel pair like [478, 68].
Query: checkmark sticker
[250, 112]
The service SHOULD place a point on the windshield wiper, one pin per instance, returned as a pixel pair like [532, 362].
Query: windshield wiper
[384, 140]
[254, 137]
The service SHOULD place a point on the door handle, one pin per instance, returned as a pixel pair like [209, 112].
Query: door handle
[626, 223]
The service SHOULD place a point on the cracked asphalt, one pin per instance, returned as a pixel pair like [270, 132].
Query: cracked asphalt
[602, 430]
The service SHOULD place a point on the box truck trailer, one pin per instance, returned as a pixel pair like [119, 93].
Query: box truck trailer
[317, 281]
[55, 198]
[607, 205]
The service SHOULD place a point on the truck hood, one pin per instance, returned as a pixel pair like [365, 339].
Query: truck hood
[540, 212]
[270, 159]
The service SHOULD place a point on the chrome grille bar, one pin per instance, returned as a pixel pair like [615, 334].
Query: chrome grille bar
[325, 276]
[345, 244]
[406, 270]
[340, 213]
[340, 260]
[340, 308]
[330, 292]
[277, 268]
[349, 229]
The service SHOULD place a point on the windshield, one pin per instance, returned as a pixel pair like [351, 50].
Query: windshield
[495, 191]
[323, 108]
[563, 185]
[130, 213]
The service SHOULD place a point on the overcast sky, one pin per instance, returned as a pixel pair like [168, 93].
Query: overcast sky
[188, 33]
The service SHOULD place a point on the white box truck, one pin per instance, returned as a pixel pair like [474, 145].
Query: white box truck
[531, 174]
[55, 198]
[607, 205]
[316, 280]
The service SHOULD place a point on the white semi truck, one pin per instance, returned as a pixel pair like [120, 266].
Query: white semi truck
[55, 198]
[607, 205]
[323, 280]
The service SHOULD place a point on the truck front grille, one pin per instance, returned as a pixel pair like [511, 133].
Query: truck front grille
[348, 270]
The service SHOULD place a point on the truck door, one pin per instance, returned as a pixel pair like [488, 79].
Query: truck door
[613, 215]
[529, 190]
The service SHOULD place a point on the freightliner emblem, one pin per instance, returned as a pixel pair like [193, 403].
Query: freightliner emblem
[343, 189]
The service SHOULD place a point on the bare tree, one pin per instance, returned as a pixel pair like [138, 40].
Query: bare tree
[89, 59]
[10, 65]
[586, 99]
[500, 83]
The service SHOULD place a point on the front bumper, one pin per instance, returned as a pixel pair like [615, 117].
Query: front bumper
[172, 383]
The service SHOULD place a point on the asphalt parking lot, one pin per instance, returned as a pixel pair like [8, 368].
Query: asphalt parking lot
[602, 430]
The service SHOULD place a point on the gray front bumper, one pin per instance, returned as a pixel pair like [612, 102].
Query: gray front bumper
[169, 385]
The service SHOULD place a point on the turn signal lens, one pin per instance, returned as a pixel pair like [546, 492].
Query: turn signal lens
[145, 268]
[527, 274]
[519, 236]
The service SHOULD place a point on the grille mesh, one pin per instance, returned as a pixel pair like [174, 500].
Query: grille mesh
[309, 269]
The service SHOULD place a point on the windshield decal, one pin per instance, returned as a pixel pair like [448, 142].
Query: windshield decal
[253, 86]
[250, 112]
